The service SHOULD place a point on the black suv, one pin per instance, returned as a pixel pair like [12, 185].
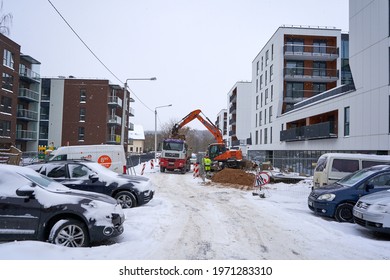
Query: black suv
[33, 207]
[85, 175]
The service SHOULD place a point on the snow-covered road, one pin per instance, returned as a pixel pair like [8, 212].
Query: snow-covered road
[190, 220]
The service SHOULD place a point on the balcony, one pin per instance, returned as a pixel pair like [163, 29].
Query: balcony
[26, 135]
[113, 139]
[114, 120]
[115, 101]
[310, 52]
[131, 112]
[322, 130]
[232, 108]
[28, 75]
[233, 97]
[314, 75]
[27, 115]
[28, 94]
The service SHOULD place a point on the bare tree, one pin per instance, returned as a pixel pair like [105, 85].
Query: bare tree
[5, 21]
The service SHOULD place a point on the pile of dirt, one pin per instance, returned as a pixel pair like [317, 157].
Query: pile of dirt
[234, 177]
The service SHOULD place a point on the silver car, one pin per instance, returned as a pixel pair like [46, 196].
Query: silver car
[373, 211]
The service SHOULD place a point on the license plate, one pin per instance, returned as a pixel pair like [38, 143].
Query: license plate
[358, 214]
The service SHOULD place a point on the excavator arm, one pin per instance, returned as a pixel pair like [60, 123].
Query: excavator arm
[196, 114]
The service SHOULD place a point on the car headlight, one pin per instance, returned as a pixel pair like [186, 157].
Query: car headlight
[380, 208]
[327, 197]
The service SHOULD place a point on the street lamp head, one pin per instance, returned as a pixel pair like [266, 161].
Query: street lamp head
[153, 78]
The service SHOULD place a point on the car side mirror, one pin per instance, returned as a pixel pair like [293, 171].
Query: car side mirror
[25, 191]
[93, 177]
[369, 187]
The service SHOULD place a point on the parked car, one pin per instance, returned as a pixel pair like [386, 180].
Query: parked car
[373, 212]
[338, 199]
[128, 190]
[34, 207]
[332, 167]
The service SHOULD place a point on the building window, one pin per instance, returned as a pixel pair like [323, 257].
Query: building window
[294, 45]
[272, 52]
[266, 57]
[294, 68]
[257, 85]
[265, 116]
[319, 47]
[257, 137]
[265, 136]
[81, 134]
[6, 105]
[261, 99]
[260, 118]
[261, 136]
[83, 96]
[256, 121]
[346, 121]
[270, 114]
[8, 59]
[271, 72]
[266, 96]
[270, 135]
[319, 68]
[257, 102]
[257, 68]
[82, 114]
[8, 82]
[5, 128]
[265, 78]
[272, 93]
[294, 90]
[262, 63]
[261, 81]
[318, 88]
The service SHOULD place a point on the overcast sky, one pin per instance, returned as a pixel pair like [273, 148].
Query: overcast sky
[197, 49]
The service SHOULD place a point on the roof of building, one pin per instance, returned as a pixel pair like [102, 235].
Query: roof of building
[137, 133]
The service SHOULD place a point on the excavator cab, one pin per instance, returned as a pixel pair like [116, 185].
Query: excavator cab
[215, 150]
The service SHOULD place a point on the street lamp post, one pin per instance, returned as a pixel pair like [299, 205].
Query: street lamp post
[155, 129]
[124, 116]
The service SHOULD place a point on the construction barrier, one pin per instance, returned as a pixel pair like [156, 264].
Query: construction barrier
[196, 170]
[143, 169]
[151, 164]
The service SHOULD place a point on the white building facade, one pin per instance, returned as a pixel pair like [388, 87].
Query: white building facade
[239, 115]
[332, 113]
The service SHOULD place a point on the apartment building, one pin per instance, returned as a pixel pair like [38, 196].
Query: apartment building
[222, 123]
[313, 105]
[82, 112]
[239, 115]
[296, 65]
[19, 97]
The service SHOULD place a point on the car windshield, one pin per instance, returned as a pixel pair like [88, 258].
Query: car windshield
[353, 178]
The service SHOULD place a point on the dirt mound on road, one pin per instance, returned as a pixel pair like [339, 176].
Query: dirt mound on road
[234, 177]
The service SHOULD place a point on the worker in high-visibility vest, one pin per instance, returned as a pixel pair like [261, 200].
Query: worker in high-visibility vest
[207, 164]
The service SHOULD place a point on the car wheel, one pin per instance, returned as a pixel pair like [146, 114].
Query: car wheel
[162, 169]
[126, 199]
[69, 233]
[344, 213]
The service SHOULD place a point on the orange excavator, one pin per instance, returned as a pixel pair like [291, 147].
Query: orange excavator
[217, 152]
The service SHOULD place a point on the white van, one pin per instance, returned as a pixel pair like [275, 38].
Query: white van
[332, 167]
[110, 156]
